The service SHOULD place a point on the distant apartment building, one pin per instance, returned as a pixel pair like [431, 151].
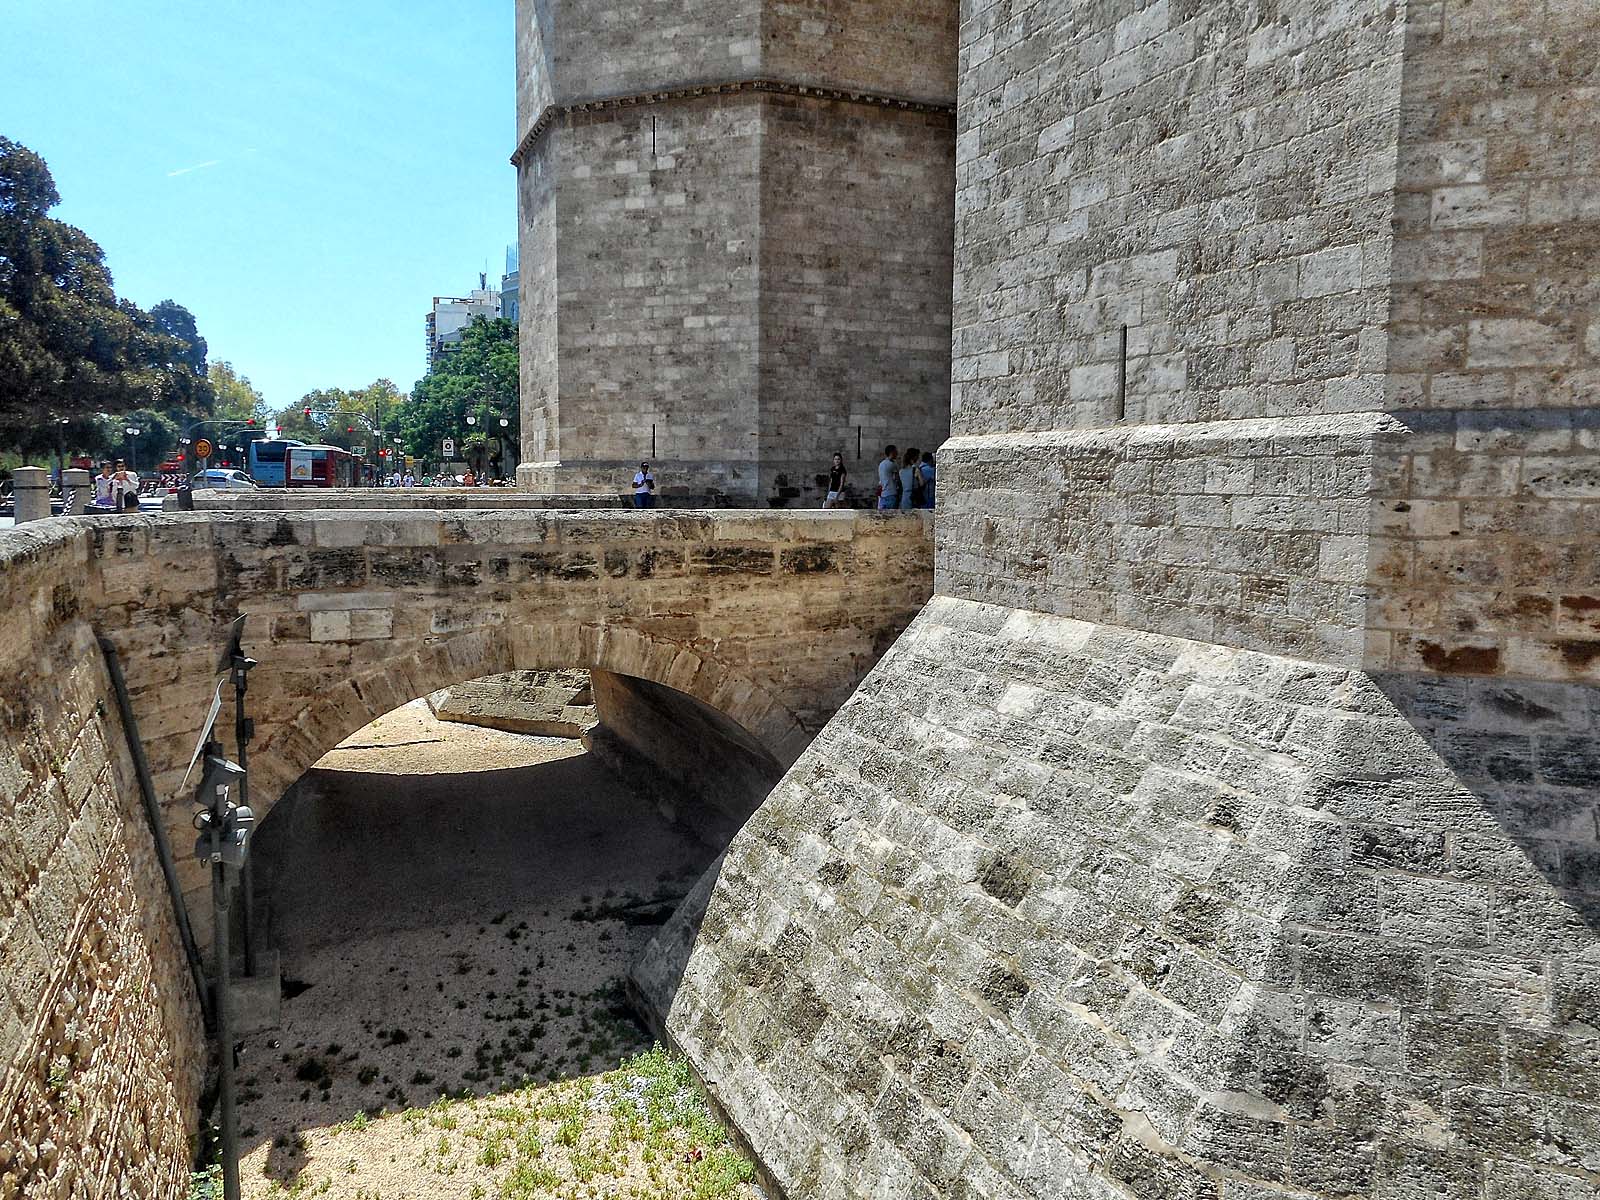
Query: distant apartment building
[510, 282]
[447, 323]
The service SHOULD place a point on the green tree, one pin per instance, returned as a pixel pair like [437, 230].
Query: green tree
[478, 379]
[69, 348]
[236, 397]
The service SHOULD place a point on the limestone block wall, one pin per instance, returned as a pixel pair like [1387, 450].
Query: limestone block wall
[736, 233]
[1057, 908]
[1224, 827]
[1216, 177]
[101, 1049]
[538, 326]
[1487, 516]
[1372, 225]
[656, 321]
[854, 314]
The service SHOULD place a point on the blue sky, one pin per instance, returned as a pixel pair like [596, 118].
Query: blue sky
[303, 175]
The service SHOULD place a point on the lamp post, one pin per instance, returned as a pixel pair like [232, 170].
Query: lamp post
[132, 431]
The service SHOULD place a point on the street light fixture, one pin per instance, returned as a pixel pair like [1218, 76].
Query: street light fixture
[132, 431]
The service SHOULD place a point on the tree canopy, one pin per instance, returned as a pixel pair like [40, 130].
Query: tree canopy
[236, 397]
[478, 377]
[69, 348]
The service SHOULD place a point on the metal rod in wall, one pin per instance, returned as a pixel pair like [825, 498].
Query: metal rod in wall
[152, 812]
[652, 440]
[858, 443]
[1122, 377]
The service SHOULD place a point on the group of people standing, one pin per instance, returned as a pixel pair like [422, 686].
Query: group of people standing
[904, 480]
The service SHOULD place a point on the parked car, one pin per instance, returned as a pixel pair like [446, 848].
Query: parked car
[222, 478]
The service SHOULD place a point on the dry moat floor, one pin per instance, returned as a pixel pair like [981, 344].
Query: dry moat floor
[455, 909]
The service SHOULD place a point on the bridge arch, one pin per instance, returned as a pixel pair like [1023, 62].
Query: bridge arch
[320, 717]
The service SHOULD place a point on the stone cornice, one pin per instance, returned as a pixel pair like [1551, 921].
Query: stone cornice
[771, 87]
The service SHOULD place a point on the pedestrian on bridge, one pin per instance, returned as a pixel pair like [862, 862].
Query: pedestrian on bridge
[889, 478]
[838, 480]
[644, 487]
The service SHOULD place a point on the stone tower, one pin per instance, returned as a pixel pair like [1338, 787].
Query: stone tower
[736, 238]
[1228, 825]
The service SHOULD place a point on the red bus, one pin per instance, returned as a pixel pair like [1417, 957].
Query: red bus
[321, 466]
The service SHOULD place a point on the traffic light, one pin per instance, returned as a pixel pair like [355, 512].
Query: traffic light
[307, 412]
[250, 421]
[349, 428]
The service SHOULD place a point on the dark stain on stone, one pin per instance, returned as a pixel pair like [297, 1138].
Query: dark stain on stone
[733, 560]
[1224, 815]
[1296, 1082]
[617, 563]
[1197, 918]
[1515, 704]
[833, 873]
[63, 602]
[1537, 607]
[652, 561]
[1463, 660]
[1004, 989]
[805, 1014]
[1578, 654]
[1581, 603]
[1005, 880]
[809, 560]
[564, 567]
[282, 533]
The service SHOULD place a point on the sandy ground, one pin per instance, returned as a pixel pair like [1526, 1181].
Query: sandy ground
[455, 908]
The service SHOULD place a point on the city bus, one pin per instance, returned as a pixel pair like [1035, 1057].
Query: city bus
[322, 466]
[266, 461]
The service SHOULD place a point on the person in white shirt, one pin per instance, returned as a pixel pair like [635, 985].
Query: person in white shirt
[123, 481]
[644, 487]
[410, 480]
[102, 487]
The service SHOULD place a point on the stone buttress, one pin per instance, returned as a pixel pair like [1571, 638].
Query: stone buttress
[1228, 826]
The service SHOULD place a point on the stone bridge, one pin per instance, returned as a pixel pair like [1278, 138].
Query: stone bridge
[771, 620]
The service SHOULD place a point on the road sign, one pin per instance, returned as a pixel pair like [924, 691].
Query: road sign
[358, 449]
[202, 449]
[448, 448]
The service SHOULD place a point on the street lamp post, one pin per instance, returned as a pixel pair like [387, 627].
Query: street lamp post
[132, 431]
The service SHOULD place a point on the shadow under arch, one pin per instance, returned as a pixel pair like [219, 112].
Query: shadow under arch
[433, 897]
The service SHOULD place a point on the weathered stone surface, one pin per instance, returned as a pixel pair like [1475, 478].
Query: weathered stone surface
[100, 1045]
